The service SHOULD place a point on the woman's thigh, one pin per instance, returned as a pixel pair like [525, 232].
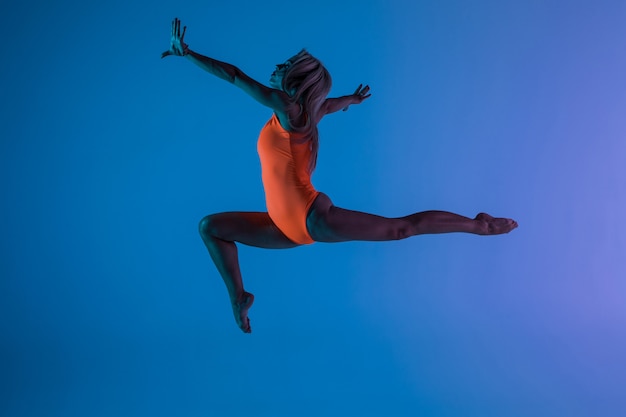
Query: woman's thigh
[329, 223]
[250, 228]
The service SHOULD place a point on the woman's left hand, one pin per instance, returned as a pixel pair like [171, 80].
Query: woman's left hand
[177, 45]
[359, 95]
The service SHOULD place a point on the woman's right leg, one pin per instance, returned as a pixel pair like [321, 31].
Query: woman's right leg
[219, 233]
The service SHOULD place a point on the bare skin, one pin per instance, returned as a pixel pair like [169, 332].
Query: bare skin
[240, 311]
[325, 222]
[496, 226]
[219, 233]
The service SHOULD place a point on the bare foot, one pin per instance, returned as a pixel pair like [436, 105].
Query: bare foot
[240, 310]
[496, 225]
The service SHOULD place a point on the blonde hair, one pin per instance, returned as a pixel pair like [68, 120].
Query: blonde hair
[308, 83]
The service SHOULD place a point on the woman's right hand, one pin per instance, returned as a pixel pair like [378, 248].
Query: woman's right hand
[177, 45]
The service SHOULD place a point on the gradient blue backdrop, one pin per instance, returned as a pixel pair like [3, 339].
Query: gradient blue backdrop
[110, 305]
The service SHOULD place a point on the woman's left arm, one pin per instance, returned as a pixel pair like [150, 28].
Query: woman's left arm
[332, 105]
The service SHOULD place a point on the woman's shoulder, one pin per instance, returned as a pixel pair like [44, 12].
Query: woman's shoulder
[291, 116]
[283, 119]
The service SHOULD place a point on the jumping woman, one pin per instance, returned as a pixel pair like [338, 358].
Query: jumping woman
[297, 214]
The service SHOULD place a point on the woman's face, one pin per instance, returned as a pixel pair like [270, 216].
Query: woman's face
[276, 80]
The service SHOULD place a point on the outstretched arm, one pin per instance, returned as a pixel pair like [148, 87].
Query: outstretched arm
[269, 97]
[220, 69]
[332, 105]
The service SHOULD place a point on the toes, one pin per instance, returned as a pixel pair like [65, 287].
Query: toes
[511, 223]
[244, 324]
[496, 225]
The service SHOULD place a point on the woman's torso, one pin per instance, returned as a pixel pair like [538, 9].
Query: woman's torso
[289, 193]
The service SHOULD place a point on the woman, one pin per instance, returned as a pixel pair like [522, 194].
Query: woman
[297, 214]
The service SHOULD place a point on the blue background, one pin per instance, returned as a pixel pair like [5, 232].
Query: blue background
[109, 302]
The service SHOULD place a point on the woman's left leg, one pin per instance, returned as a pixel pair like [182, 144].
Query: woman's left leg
[328, 223]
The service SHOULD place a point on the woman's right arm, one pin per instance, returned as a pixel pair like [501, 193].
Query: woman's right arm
[274, 99]
[220, 69]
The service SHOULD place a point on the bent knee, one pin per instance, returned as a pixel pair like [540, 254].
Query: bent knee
[206, 227]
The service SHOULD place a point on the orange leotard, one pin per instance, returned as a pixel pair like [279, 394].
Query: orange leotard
[287, 182]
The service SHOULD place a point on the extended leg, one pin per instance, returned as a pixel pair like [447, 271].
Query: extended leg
[328, 223]
[220, 232]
